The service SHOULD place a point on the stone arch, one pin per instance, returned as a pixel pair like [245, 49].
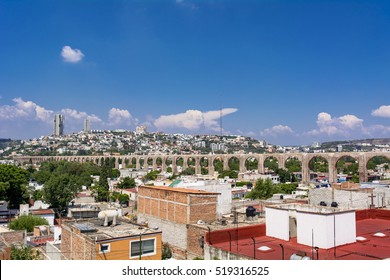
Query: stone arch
[170, 166]
[377, 166]
[251, 163]
[318, 166]
[141, 162]
[293, 165]
[234, 163]
[159, 164]
[218, 163]
[149, 163]
[180, 163]
[271, 164]
[347, 165]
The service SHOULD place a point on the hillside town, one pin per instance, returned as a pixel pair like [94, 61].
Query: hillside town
[125, 211]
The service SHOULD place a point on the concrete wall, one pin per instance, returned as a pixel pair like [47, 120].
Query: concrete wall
[277, 223]
[351, 199]
[173, 233]
[211, 253]
[224, 200]
[319, 230]
[52, 252]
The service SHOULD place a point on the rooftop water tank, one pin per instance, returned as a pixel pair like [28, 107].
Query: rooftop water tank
[250, 211]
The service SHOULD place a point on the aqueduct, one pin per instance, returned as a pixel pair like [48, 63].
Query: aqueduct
[164, 161]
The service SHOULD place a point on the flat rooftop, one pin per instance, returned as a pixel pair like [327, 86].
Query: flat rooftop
[372, 242]
[94, 229]
[310, 208]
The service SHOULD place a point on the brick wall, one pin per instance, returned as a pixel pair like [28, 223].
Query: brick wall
[174, 212]
[177, 207]
[203, 208]
[12, 237]
[5, 253]
[75, 246]
[194, 233]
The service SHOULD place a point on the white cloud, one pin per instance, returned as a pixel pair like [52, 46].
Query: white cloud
[383, 111]
[193, 119]
[118, 116]
[71, 55]
[76, 115]
[350, 121]
[187, 4]
[25, 110]
[342, 126]
[277, 130]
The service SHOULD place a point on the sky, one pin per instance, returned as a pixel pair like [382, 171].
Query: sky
[288, 72]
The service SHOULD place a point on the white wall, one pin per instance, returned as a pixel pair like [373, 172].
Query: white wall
[277, 223]
[318, 230]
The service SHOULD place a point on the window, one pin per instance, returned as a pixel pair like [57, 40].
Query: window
[146, 246]
[104, 248]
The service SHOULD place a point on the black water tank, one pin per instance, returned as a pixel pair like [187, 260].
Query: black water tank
[323, 203]
[250, 211]
[334, 204]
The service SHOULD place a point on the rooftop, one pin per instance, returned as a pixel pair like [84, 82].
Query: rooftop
[372, 241]
[95, 230]
[310, 208]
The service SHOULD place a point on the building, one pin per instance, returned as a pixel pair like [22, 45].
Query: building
[339, 235]
[224, 201]
[140, 129]
[87, 125]
[96, 239]
[58, 125]
[8, 238]
[47, 214]
[250, 176]
[177, 211]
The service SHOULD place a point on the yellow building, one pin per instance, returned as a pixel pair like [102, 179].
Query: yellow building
[91, 239]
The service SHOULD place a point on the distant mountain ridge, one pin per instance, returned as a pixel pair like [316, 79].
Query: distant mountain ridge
[372, 141]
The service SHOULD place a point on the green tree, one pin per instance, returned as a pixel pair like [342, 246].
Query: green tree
[293, 165]
[271, 163]
[263, 189]
[218, 165]
[127, 183]
[152, 175]
[233, 174]
[27, 222]
[115, 173]
[59, 191]
[189, 171]
[24, 252]
[121, 198]
[13, 185]
[285, 175]
[100, 193]
[166, 251]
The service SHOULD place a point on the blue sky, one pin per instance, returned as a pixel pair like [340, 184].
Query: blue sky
[289, 72]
